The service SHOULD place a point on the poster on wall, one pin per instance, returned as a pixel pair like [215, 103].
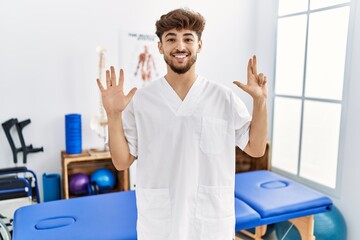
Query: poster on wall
[140, 58]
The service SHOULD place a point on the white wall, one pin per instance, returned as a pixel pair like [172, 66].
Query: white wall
[48, 62]
[265, 40]
[348, 202]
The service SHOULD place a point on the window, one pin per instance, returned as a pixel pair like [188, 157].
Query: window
[309, 79]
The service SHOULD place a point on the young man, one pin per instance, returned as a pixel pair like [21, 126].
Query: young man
[182, 129]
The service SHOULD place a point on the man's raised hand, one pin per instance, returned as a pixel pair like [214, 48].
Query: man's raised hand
[256, 83]
[113, 98]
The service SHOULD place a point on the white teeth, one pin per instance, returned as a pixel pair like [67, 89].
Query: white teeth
[180, 55]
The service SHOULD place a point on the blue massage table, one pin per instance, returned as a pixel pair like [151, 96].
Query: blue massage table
[261, 198]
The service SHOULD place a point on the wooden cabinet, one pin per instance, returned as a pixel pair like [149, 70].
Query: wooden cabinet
[88, 163]
[246, 163]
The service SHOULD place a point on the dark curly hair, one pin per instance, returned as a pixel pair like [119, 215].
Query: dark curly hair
[180, 19]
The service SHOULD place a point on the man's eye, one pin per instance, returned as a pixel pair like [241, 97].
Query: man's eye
[170, 40]
[189, 40]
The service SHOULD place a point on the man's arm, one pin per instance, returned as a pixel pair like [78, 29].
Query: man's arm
[257, 88]
[258, 129]
[119, 148]
[115, 101]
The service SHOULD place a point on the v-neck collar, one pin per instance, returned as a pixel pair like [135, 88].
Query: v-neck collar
[181, 107]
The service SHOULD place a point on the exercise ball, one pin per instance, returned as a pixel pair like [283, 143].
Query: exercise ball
[329, 225]
[78, 183]
[104, 178]
[285, 228]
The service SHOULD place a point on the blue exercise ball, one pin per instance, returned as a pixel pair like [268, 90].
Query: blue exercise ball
[285, 228]
[78, 183]
[104, 178]
[329, 225]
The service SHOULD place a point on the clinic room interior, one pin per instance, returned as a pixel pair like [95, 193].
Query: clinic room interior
[54, 128]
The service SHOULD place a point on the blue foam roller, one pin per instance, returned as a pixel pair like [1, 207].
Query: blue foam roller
[73, 133]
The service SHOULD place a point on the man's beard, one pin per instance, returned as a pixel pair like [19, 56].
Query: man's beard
[181, 70]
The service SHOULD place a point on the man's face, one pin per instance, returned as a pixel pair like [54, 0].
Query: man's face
[180, 49]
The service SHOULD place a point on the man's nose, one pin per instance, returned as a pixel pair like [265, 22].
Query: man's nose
[180, 46]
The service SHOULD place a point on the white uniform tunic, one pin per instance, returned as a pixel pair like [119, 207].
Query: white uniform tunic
[186, 159]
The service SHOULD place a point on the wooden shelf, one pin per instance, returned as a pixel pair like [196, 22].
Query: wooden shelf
[88, 163]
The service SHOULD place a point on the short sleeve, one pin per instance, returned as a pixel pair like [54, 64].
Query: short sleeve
[242, 121]
[130, 131]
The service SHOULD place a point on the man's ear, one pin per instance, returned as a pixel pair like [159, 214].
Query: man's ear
[199, 46]
[160, 47]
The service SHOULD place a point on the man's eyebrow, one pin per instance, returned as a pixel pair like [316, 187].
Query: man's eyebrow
[174, 34]
[170, 34]
[189, 34]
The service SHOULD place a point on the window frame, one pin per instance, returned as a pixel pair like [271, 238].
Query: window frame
[335, 192]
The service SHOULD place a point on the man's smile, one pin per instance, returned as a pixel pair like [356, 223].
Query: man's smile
[180, 55]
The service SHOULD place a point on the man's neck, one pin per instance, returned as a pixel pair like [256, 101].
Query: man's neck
[181, 83]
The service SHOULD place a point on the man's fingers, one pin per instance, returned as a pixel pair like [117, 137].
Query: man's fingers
[112, 76]
[252, 68]
[254, 65]
[111, 79]
[249, 67]
[241, 85]
[261, 79]
[131, 93]
[100, 85]
[121, 78]
[108, 82]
